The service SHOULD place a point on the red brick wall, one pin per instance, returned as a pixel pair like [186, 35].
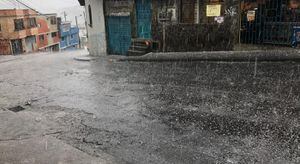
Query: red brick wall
[5, 47]
[46, 29]
[40, 43]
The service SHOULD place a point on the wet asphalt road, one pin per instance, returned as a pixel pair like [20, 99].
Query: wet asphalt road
[162, 112]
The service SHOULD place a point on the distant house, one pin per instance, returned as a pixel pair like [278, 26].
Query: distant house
[69, 36]
[48, 34]
[18, 30]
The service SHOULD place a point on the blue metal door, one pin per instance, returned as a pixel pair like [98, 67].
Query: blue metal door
[144, 18]
[119, 34]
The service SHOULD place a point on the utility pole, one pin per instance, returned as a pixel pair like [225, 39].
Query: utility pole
[76, 20]
[65, 16]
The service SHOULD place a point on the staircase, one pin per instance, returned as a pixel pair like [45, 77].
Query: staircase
[139, 47]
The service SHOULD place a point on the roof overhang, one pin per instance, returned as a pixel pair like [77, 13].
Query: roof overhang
[81, 2]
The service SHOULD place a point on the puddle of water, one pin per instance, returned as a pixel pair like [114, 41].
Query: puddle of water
[16, 109]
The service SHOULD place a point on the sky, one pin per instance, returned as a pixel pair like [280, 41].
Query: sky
[71, 7]
[46, 6]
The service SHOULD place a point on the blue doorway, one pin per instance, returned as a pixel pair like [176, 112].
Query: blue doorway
[144, 18]
[119, 34]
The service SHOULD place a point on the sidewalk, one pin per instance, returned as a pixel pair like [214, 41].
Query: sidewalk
[246, 56]
[27, 140]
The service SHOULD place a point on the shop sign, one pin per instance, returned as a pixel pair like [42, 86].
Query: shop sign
[251, 15]
[213, 10]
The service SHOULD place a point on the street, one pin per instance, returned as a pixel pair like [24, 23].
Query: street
[154, 112]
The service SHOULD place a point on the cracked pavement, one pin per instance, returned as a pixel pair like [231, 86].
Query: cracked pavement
[154, 112]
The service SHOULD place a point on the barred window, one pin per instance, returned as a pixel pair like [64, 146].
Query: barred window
[90, 16]
[19, 24]
[32, 22]
[53, 20]
[41, 37]
[54, 34]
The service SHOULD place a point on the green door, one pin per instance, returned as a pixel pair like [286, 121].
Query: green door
[119, 34]
[144, 18]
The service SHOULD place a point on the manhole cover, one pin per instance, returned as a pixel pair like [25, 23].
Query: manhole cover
[16, 109]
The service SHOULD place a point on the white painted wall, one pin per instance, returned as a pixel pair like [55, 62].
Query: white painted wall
[96, 33]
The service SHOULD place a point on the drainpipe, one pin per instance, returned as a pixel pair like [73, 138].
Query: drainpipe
[240, 21]
[164, 36]
[78, 32]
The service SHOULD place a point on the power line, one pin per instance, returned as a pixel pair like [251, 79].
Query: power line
[28, 6]
[12, 3]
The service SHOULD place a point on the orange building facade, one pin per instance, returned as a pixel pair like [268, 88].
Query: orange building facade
[18, 30]
[26, 31]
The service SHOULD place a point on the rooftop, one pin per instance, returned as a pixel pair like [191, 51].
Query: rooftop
[17, 12]
[81, 2]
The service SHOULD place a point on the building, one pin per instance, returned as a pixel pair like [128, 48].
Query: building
[95, 23]
[18, 30]
[270, 22]
[136, 27]
[48, 33]
[69, 36]
[139, 26]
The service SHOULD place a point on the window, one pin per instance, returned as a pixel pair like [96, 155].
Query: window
[32, 23]
[187, 11]
[19, 24]
[54, 34]
[90, 16]
[41, 37]
[72, 36]
[53, 20]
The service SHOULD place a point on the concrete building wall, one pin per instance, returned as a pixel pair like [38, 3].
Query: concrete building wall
[96, 31]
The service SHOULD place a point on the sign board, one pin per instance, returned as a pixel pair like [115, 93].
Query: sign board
[213, 10]
[65, 27]
[251, 15]
[296, 36]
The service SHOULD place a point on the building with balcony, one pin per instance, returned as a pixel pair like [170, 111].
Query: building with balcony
[18, 30]
[48, 34]
[69, 36]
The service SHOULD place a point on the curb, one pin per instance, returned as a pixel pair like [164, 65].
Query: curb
[227, 56]
[86, 59]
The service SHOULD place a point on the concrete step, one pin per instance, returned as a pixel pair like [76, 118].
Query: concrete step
[139, 47]
[136, 52]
